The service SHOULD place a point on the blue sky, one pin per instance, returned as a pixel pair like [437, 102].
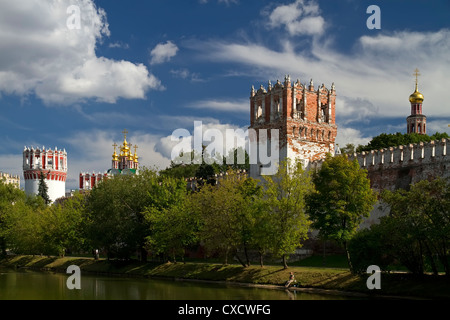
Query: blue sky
[158, 65]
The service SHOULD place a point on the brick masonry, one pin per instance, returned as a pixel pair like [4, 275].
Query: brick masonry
[398, 167]
[305, 117]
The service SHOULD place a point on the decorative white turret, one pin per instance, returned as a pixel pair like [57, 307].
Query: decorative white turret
[52, 164]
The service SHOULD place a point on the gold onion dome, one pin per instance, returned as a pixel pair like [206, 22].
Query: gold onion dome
[136, 158]
[416, 97]
[115, 156]
[125, 150]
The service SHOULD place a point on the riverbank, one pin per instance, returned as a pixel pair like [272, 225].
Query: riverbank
[327, 280]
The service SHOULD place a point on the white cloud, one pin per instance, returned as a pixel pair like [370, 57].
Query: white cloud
[298, 18]
[350, 135]
[234, 106]
[163, 52]
[91, 152]
[41, 55]
[374, 80]
[186, 74]
[10, 163]
[441, 125]
[119, 45]
[215, 129]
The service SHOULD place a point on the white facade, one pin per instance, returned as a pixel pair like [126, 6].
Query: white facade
[10, 179]
[53, 164]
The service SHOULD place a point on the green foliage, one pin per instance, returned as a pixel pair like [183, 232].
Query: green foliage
[348, 149]
[9, 195]
[419, 225]
[285, 220]
[367, 248]
[32, 227]
[43, 188]
[341, 200]
[173, 227]
[226, 214]
[115, 210]
[23, 229]
[392, 140]
[208, 166]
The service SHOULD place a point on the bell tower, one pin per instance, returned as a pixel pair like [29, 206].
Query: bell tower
[416, 122]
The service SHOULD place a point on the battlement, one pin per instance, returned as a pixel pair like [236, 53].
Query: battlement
[404, 156]
[292, 100]
[303, 115]
[89, 180]
[398, 167]
[44, 159]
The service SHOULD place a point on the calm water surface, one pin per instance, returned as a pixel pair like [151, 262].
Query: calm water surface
[30, 285]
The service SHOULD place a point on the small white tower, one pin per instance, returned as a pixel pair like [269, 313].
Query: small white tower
[53, 164]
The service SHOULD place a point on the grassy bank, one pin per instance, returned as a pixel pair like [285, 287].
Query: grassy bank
[309, 277]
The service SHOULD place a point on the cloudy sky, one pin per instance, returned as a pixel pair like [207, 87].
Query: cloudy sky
[159, 65]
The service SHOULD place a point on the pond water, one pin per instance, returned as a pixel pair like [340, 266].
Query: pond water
[32, 285]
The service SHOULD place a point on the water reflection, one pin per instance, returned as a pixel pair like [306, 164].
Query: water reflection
[29, 285]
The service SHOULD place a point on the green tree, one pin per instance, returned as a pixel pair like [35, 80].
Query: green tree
[23, 230]
[422, 217]
[173, 226]
[284, 202]
[342, 199]
[385, 140]
[62, 226]
[43, 188]
[372, 246]
[226, 215]
[9, 195]
[115, 212]
[349, 148]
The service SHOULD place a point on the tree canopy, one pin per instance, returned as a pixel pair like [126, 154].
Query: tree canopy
[341, 200]
[385, 140]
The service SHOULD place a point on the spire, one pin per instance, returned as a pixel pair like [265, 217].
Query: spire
[125, 150]
[136, 158]
[115, 156]
[417, 74]
[416, 97]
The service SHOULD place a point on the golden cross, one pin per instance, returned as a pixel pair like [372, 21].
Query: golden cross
[135, 147]
[416, 74]
[125, 132]
[115, 146]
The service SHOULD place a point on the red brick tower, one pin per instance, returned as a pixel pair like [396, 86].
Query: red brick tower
[416, 122]
[305, 117]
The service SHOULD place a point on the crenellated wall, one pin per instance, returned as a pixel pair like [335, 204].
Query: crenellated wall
[398, 167]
